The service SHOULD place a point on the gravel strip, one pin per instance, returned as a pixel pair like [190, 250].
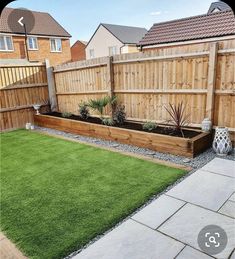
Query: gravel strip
[194, 163]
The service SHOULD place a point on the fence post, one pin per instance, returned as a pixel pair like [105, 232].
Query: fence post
[110, 78]
[211, 81]
[51, 86]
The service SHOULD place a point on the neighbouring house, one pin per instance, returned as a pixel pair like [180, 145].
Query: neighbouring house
[111, 39]
[215, 26]
[78, 50]
[218, 6]
[47, 40]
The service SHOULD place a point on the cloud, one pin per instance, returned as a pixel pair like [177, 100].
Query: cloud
[156, 13]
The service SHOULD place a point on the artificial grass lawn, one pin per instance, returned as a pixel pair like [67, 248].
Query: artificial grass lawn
[57, 195]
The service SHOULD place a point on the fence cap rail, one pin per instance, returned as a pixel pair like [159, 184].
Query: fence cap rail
[22, 65]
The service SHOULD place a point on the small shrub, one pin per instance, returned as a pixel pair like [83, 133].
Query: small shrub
[108, 121]
[149, 126]
[100, 104]
[66, 114]
[178, 118]
[120, 115]
[84, 111]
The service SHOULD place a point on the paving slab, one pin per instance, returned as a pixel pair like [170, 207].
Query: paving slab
[158, 211]
[8, 250]
[186, 224]
[204, 189]
[221, 166]
[233, 255]
[232, 197]
[190, 253]
[132, 240]
[228, 209]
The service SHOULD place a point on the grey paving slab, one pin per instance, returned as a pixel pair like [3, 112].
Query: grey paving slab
[233, 255]
[232, 197]
[158, 211]
[205, 189]
[132, 240]
[188, 221]
[228, 209]
[190, 253]
[221, 166]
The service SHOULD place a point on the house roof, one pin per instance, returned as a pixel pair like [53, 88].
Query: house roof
[45, 24]
[126, 34]
[81, 41]
[196, 27]
[221, 6]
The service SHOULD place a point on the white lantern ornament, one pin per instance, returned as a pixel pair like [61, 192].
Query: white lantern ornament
[222, 144]
[206, 125]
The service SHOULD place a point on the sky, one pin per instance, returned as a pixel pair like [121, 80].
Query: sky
[81, 17]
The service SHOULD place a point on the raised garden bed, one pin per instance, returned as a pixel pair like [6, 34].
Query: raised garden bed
[131, 133]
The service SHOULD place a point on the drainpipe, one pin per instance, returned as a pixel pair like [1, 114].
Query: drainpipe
[121, 48]
[26, 45]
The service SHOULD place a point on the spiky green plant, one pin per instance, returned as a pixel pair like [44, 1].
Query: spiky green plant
[100, 104]
[178, 118]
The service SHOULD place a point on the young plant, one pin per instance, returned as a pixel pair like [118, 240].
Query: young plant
[108, 121]
[120, 115]
[178, 118]
[84, 111]
[150, 126]
[66, 114]
[100, 104]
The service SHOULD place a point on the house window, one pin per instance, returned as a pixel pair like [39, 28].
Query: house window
[92, 53]
[6, 43]
[112, 50]
[56, 45]
[33, 43]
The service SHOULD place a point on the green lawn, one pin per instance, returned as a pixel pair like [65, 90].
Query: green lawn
[56, 195]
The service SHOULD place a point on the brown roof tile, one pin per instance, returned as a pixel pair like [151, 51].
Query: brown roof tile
[45, 24]
[195, 27]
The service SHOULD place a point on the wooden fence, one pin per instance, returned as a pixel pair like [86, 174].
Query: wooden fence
[200, 75]
[21, 86]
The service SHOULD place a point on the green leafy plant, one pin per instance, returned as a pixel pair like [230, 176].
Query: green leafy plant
[120, 115]
[150, 126]
[108, 121]
[84, 111]
[66, 114]
[178, 118]
[100, 104]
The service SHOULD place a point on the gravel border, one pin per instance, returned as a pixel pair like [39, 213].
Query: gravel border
[194, 163]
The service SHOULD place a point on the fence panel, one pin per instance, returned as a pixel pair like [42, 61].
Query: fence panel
[201, 75]
[21, 87]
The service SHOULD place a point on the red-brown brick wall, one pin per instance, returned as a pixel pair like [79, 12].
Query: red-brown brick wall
[43, 52]
[78, 51]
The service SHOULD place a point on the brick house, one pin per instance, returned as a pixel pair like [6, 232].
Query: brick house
[47, 40]
[78, 50]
